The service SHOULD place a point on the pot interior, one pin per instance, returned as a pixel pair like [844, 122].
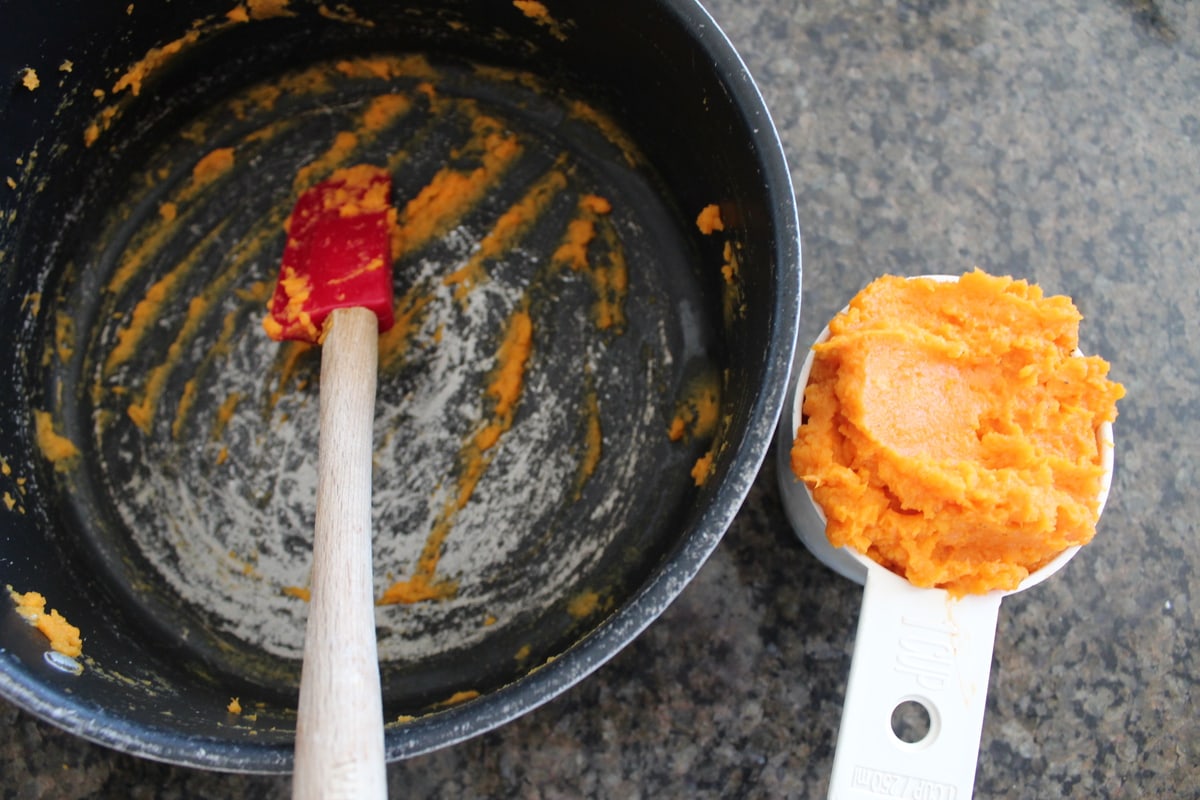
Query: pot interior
[573, 381]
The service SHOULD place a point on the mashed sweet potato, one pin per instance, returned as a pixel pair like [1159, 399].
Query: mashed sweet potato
[950, 430]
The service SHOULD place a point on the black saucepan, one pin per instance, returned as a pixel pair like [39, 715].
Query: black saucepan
[597, 274]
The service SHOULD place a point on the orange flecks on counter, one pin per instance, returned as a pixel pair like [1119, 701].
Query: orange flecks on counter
[64, 637]
[951, 430]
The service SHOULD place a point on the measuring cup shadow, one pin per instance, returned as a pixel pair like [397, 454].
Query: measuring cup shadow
[917, 690]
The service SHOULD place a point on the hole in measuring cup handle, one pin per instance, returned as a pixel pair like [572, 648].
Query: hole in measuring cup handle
[915, 722]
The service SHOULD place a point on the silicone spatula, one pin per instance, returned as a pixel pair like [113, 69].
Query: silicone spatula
[335, 289]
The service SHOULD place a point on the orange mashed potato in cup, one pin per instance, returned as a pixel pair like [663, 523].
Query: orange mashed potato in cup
[950, 430]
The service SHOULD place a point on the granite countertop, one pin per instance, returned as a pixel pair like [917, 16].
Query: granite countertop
[1058, 142]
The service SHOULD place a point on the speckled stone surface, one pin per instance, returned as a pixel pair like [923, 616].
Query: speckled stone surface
[1058, 142]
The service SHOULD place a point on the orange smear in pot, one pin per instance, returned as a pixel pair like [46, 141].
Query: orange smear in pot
[505, 389]
[58, 449]
[951, 431]
[64, 637]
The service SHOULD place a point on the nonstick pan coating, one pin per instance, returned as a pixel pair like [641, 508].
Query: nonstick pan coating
[578, 390]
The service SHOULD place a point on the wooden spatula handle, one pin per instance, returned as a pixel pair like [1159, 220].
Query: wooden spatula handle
[339, 728]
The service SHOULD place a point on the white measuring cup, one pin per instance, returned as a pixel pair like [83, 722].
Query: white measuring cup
[915, 649]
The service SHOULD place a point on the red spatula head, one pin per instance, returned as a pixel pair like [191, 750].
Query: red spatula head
[338, 254]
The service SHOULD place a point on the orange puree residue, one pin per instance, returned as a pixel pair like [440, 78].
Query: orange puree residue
[185, 406]
[387, 67]
[505, 387]
[452, 192]
[702, 468]
[583, 604]
[729, 270]
[347, 195]
[384, 110]
[611, 283]
[57, 449]
[381, 112]
[457, 698]
[64, 637]
[211, 167]
[608, 128]
[538, 12]
[698, 411]
[344, 143]
[573, 251]
[593, 439]
[610, 278]
[146, 313]
[291, 353]
[951, 430]
[504, 390]
[709, 219]
[507, 229]
[267, 9]
[298, 592]
[64, 335]
[224, 414]
[154, 58]
[343, 13]
[410, 311]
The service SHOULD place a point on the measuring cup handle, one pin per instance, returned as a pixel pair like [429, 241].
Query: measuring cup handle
[922, 646]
